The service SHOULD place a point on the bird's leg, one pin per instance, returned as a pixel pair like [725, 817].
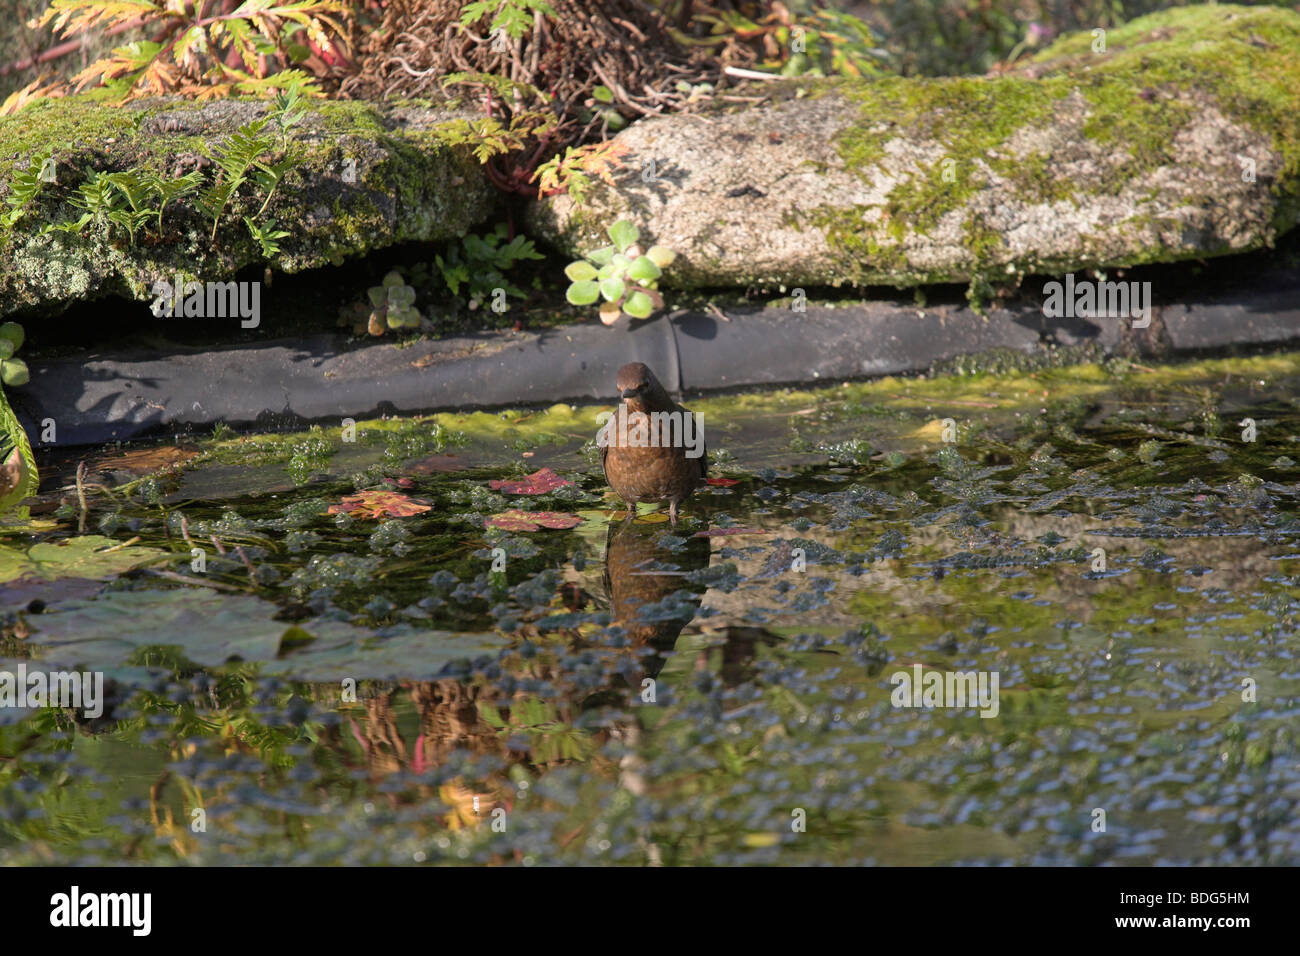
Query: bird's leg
[672, 513]
[631, 511]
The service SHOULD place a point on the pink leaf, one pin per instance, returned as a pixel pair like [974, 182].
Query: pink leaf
[538, 483]
[527, 521]
[377, 504]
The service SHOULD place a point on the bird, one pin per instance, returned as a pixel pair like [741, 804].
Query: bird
[646, 446]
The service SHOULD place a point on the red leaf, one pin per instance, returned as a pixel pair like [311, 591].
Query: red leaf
[516, 520]
[538, 483]
[723, 482]
[377, 504]
[719, 532]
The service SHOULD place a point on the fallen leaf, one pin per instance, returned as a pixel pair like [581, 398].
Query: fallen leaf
[143, 461]
[541, 482]
[516, 520]
[723, 482]
[377, 504]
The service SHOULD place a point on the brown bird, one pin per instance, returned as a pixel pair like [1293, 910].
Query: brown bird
[645, 446]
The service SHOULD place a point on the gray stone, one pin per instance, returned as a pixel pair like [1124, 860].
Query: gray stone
[1181, 140]
[371, 177]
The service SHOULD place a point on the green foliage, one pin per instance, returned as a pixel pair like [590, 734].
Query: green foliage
[389, 305]
[24, 187]
[626, 278]
[268, 236]
[514, 17]
[132, 200]
[18, 475]
[478, 264]
[240, 160]
[472, 269]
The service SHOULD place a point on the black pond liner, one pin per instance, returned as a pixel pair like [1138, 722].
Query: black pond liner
[278, 384]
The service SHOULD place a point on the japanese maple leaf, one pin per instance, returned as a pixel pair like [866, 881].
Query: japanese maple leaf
[378, 504]
[723, 482]
[516, 520]
[538, 483]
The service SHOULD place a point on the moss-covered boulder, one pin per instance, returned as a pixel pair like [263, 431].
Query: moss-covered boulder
[1176, 136]
[368, 177]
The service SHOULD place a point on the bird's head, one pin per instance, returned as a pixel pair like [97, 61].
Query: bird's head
[639, 388]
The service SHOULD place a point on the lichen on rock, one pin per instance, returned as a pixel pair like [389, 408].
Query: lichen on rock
[371, 176]
[1181, 140]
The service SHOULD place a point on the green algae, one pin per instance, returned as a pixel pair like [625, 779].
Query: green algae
[1121, 688]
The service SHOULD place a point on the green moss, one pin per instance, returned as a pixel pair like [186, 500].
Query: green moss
[1156, 75]
[409, 187]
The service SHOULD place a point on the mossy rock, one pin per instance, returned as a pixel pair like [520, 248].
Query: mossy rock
[371, 176]
[1181, 140]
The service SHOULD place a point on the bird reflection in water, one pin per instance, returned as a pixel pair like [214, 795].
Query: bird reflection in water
[648, 582]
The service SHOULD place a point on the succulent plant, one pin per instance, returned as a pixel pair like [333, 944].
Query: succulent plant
[13, 371]
[390, 305]
[626, 278]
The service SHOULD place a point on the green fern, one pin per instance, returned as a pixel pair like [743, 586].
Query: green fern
[515, 17]
[136, 189]
[169, 190]
[235, 158]
[267, 236]
[240, 158]
[23, 188]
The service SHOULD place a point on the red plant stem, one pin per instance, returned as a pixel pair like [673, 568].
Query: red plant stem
[63, 49]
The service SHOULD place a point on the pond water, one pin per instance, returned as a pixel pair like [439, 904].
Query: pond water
[1111, 544]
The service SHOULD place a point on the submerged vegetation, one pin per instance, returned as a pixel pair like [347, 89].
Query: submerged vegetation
[435, 639]
[382, 669]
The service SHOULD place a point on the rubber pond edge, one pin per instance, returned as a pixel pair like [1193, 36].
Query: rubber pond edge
[104, 397]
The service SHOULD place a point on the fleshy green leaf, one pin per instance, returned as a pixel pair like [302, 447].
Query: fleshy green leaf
[624, 234]
[661, 256]
[612, 289]
[639, 305]
[580, 271]
[602, 256]
[583, 293]
[14, 333]
[14, 371]
[643, 269]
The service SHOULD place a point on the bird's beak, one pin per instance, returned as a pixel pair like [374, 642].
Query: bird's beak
[629, 392]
